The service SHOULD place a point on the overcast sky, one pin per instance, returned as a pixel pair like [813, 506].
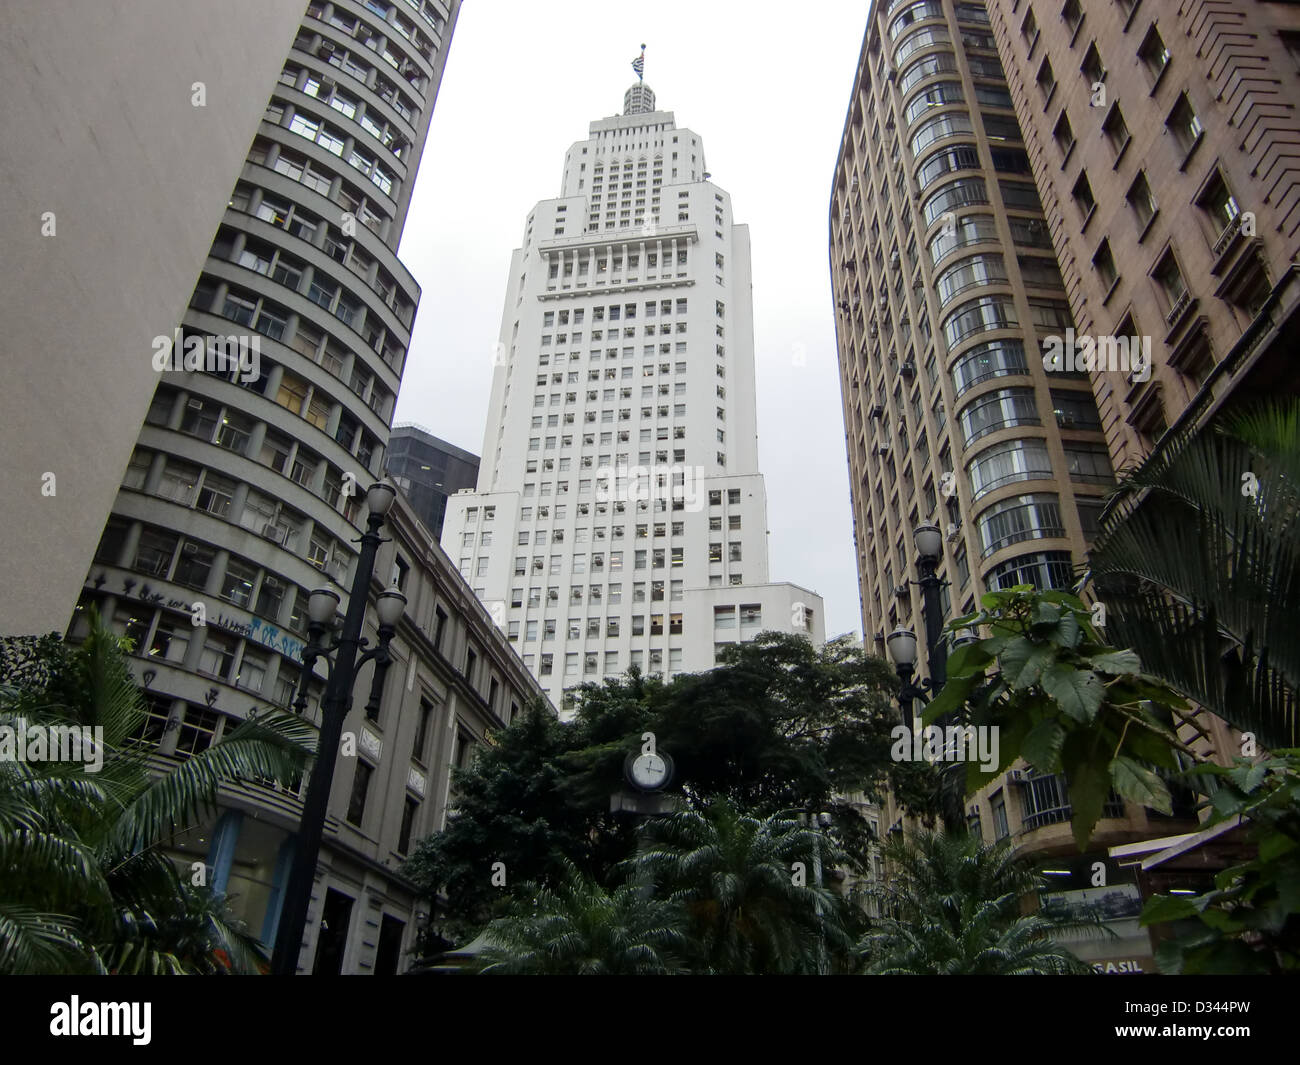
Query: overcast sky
[767, 93]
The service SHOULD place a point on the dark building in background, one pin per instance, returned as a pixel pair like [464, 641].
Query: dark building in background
[428, 470]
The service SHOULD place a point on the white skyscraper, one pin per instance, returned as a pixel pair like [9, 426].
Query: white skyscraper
[620, 519]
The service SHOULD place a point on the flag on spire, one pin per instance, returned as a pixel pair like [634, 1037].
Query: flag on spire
[638, 64]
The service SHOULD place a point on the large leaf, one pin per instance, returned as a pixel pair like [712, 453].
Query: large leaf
[1116, 662]
[1089, 782]
[1042, 746]
[1078, 692]
[1141, 784]
[1022, 662]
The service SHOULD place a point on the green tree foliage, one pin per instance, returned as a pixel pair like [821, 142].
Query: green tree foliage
[749, 889]
[1196, 568]
[1063, 700]
[778, 724]
[577, 928]
[953, 909]
[1250, 922]
[84, 886]
[517, 804]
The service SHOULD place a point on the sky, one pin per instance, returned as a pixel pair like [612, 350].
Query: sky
[767, 93]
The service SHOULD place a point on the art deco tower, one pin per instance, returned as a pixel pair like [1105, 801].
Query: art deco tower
[620, 517]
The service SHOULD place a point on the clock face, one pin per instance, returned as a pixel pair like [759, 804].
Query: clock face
[649, 771]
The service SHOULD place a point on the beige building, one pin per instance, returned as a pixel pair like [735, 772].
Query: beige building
[946, 288]
[947, 298]
[453, 678]
[125, 123]
[1163, 138]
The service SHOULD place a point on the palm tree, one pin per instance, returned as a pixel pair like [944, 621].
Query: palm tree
[1196, 566]
[749, 889]
[84, 884]
[952, 909]
[579, 928]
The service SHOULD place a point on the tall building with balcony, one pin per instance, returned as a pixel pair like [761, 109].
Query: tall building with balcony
[85, 188]
[1161, 138]
[429, 470]
[246, 485]
[620, 518]
[946, 293]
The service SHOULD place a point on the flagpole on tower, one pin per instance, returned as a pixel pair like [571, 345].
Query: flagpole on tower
[638, 65]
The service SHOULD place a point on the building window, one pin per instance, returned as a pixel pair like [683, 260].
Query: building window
[1083, 198]
[1154, 55]
[1063, 134]
[1218, 202]
[1044, 570]
[1169, 279]
[1186, 127]
[410, 808]
[998, 806]
[1116, 131]
[1018, 518]
[1104, 263]
[1092, 66]
[1140, 200]
[360, 788]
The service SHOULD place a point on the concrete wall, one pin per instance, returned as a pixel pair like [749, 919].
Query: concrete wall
[99, 128]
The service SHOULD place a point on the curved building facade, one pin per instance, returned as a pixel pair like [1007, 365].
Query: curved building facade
[271, 417]
[949, 304]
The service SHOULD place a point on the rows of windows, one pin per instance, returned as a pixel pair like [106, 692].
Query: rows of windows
[283, 268]
[593, 663]
[232, 430]
[299, 168]
[189, 562]
[545, 629]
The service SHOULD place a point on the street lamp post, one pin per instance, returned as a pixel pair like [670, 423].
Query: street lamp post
[343, 663]
[902, 651]
[929, 550]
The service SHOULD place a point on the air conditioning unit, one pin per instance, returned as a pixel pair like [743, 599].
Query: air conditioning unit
[877, 411]
[974, 811]
[889, 73]
[189, 549]
[270, 582]
[905, 319]
[893, 257]
[275, 533]
[327, 85]
[884, 300]
[1015, 776]
[874, 331]
[326, 48]
[901, 591]
[954, 531]
[883, 447]
[908, 369]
